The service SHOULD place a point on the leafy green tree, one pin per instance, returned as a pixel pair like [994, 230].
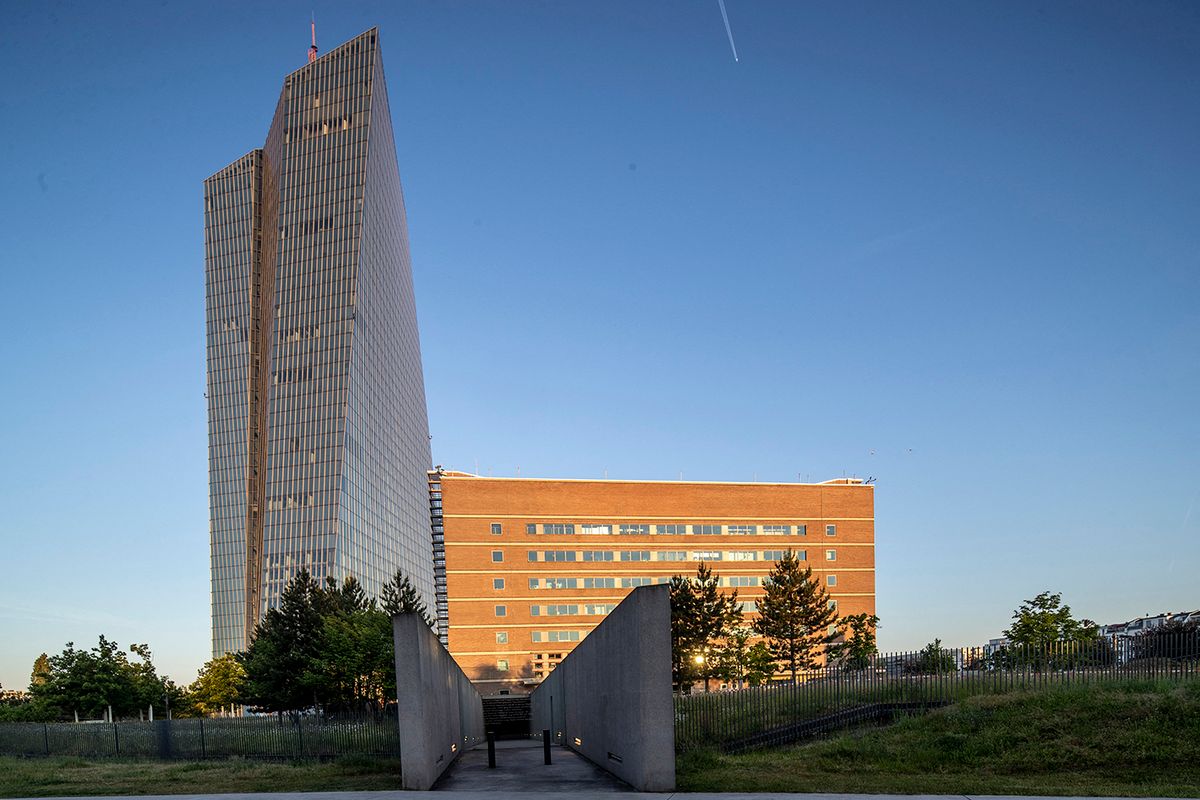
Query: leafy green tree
[795, 616]
[741, 661]
[399, 596]
[90, 682]
[1045, 634]
[933, 660]
[354, 664]
[760, 664]
[857, 641]
[285, 643]
[218, 685]
[1044, 621]
[1174, 639]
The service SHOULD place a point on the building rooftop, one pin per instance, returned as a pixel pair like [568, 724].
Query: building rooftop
[450, 473]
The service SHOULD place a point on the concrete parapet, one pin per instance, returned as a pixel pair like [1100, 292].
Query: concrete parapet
[440, 712]
[610, 699]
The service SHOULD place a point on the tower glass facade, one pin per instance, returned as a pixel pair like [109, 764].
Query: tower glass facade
[318, 435]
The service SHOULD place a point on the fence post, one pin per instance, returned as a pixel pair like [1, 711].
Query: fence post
[46, 737]
[203, 753]
[116, 739]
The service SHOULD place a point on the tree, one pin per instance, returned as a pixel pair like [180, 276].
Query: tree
[401, 597]
[684, 636]
[700, 616]
[354, 664]
[795, 616]
[218, 685]
[739, 661]
[90, 682]
[857, 645]
[285, 642]
[1044, 620]
[41, 671]
[1044, 633]
[933, 660]
[1175, 639]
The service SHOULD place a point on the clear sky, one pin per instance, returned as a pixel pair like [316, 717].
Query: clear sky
[950, 246]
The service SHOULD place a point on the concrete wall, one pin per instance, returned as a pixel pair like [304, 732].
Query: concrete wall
[610, 699]
[441, 714]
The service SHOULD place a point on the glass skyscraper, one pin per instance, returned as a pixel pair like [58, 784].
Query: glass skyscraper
[318, 436]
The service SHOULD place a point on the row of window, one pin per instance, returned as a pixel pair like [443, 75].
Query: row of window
[674, 529]
[600, 609]
[662, 555]
[555, 582]
[571, 609]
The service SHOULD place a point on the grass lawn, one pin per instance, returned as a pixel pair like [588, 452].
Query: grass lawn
[1130, 738]
[49, 777]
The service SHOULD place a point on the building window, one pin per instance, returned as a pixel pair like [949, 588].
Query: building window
[706, 555]
[497, 583]
[531, 528]
[671, 530]
[634, 530]
[706, 530]
[497, 529]
[501, 611]
[558, 529]
[501, 637]
[741, 555]
[741, 530]
[635, 555]
[502, 665]
[597, 555]
[777, 530]
[831, 530]
[833, 604]
[595, 530]
[831, 580]
[633, 583]
[534, 583]
[772, 555]
[497, 556]
[831, 555]
[802, 530]
[671, 555]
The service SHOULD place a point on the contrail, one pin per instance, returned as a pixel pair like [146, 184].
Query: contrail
[728, 30]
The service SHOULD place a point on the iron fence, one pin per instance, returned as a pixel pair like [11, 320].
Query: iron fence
[282, 738]
[733, 719]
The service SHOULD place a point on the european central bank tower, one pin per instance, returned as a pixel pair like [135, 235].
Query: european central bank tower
[318, 438]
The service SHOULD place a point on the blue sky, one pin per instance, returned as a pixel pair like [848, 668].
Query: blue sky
[950, 246]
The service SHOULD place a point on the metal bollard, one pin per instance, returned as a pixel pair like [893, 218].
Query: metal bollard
[546, 744]
[491, 740]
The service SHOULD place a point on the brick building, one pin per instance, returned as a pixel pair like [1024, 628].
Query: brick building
[532, 565]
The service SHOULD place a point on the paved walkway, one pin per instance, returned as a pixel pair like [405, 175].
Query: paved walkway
[521, 767]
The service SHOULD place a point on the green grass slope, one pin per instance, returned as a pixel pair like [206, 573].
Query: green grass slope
[1125, 739]
[53, 777]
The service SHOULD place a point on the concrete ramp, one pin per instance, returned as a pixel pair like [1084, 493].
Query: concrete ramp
[610, 699]
[520, 768]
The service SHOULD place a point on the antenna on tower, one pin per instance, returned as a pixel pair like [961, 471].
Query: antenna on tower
[312, 51]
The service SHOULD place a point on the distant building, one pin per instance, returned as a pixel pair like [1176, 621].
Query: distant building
[1141, 624]
[533, 565]
[318, 440]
